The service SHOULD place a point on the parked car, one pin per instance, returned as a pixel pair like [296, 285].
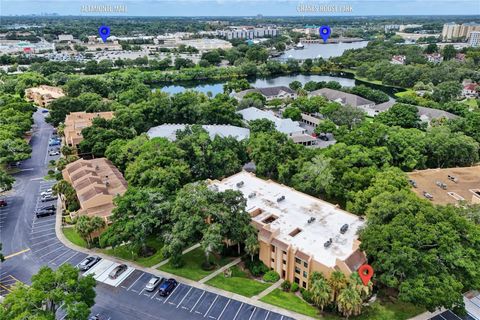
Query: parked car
[49, 208]
[49, 197]
[54, 143]
[44, 213]
[44, 110]
[3, 203]
[54, 152]
[117, 271]
[323, 137]
[167, 287]
[98, 316]
[153, 283]
[88, 262]
[14, 164]
[47, 192]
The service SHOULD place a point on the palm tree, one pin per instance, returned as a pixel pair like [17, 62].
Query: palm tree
[337, 282]
[251, 245]
[364, 290]
[349, 302]
[321, 292]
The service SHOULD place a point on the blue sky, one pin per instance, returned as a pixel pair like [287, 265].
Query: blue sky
[244, 7]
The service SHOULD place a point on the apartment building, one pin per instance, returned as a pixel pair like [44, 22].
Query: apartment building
[270, 93]
[298, 234]
[453, 31]
[75, 122]
[169, 131]
[248, 33]
[345, 98]
[474, 40]
[43, 95]
[97, 182]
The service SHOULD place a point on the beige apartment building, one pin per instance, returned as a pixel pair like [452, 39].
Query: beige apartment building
[43, 95]
[97, 182]
[447, 186]
[298, 233]
[453, 31]
[75, 122]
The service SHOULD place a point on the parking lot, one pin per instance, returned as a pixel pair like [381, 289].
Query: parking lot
[7, 281]
[44, 244]
[4, 212]
[193, 302]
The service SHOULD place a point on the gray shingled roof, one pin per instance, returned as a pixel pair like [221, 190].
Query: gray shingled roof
[267, 92]
[169, 131]
[345, 98]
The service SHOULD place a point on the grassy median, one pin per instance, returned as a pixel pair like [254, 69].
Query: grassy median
[239, 283]
[74, 237]
[290, 301]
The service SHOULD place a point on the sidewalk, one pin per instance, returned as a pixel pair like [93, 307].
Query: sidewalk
[227, 294]
[268, 290]
[195, 246]
[225, 267]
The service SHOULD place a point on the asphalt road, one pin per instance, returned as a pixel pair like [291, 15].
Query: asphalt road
[29, 243]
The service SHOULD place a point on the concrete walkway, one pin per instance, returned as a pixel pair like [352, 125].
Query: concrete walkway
[227, 294]
[225, 267]
[268, 290]
[427, 315]
[195, 246]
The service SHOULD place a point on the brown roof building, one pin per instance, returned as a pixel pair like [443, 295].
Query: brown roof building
[43, 95]
[97, 182]
[298, 234]
[447, 186]
[75, 122]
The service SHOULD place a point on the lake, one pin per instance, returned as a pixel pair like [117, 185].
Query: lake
[216, 88]
[318, 50]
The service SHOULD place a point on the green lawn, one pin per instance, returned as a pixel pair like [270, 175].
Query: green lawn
[472, 103]
[239, 283]
[74, 237]
[291, 302]
[192, 268]
[380, 310]
[124, 252]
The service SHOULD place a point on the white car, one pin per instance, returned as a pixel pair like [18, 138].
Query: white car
[47, 192]
[153, 283]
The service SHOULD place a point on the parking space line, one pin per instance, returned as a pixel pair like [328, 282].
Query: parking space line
[141, 291]
[172, 293]
[70, 258]
[184, 297]
[222, 310]
[197, 301]
[211, 306]
[49, 234]
[281, 318]
[156, 291]
[236, 314]
[42, 230]
[267, 315]
[62, 247]
[44, 247]
[47, 220]
[135, 281]
[254, 308]
[51, 261]
[38, 243]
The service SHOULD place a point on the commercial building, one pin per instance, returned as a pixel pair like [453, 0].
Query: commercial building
[43, 95]
[452, 31]
[270, 93]
[169, 131]
[96, 182]
[345, 98]
[447, 186]
[298, 234]
[75, 122]
[474, 39]
[248, 33]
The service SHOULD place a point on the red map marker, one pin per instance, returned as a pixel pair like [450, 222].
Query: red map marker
[366, 273]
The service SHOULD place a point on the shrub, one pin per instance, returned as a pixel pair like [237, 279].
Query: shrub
[256, 267]
[294, 287]
[286, 285]
[271, 276]
[51, 172]
[306, 295]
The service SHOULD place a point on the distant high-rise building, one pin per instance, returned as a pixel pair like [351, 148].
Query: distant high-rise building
[453, 31]
[474, 39]
[248, 33]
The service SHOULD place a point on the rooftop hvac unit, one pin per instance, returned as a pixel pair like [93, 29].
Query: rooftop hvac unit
[328, 243]
[344, 228]
[312, 219]
[427, 195]
[440, 184]
[453, 178]
[280, 198]
[240, 184]
[413, 183]
[252, 195]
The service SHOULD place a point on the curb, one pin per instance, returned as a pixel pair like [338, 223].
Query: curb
[227, 294]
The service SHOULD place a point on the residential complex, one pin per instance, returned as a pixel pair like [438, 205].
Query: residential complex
[97, 182]
[248, 33]
[346, 99]
[43, 95]
[75, 122]
[270, 93]
[453, 31]
[298, 234]
[447, 186]
[169, 131]
[474, 40]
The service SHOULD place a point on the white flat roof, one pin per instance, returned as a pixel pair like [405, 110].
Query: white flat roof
[287, 126]
[294, 212]
[169, 131]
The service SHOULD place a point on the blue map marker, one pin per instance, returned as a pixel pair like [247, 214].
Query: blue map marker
[104, 33]
[325, 32]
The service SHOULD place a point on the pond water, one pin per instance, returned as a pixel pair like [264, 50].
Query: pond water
[215, 88]
[318, 50]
